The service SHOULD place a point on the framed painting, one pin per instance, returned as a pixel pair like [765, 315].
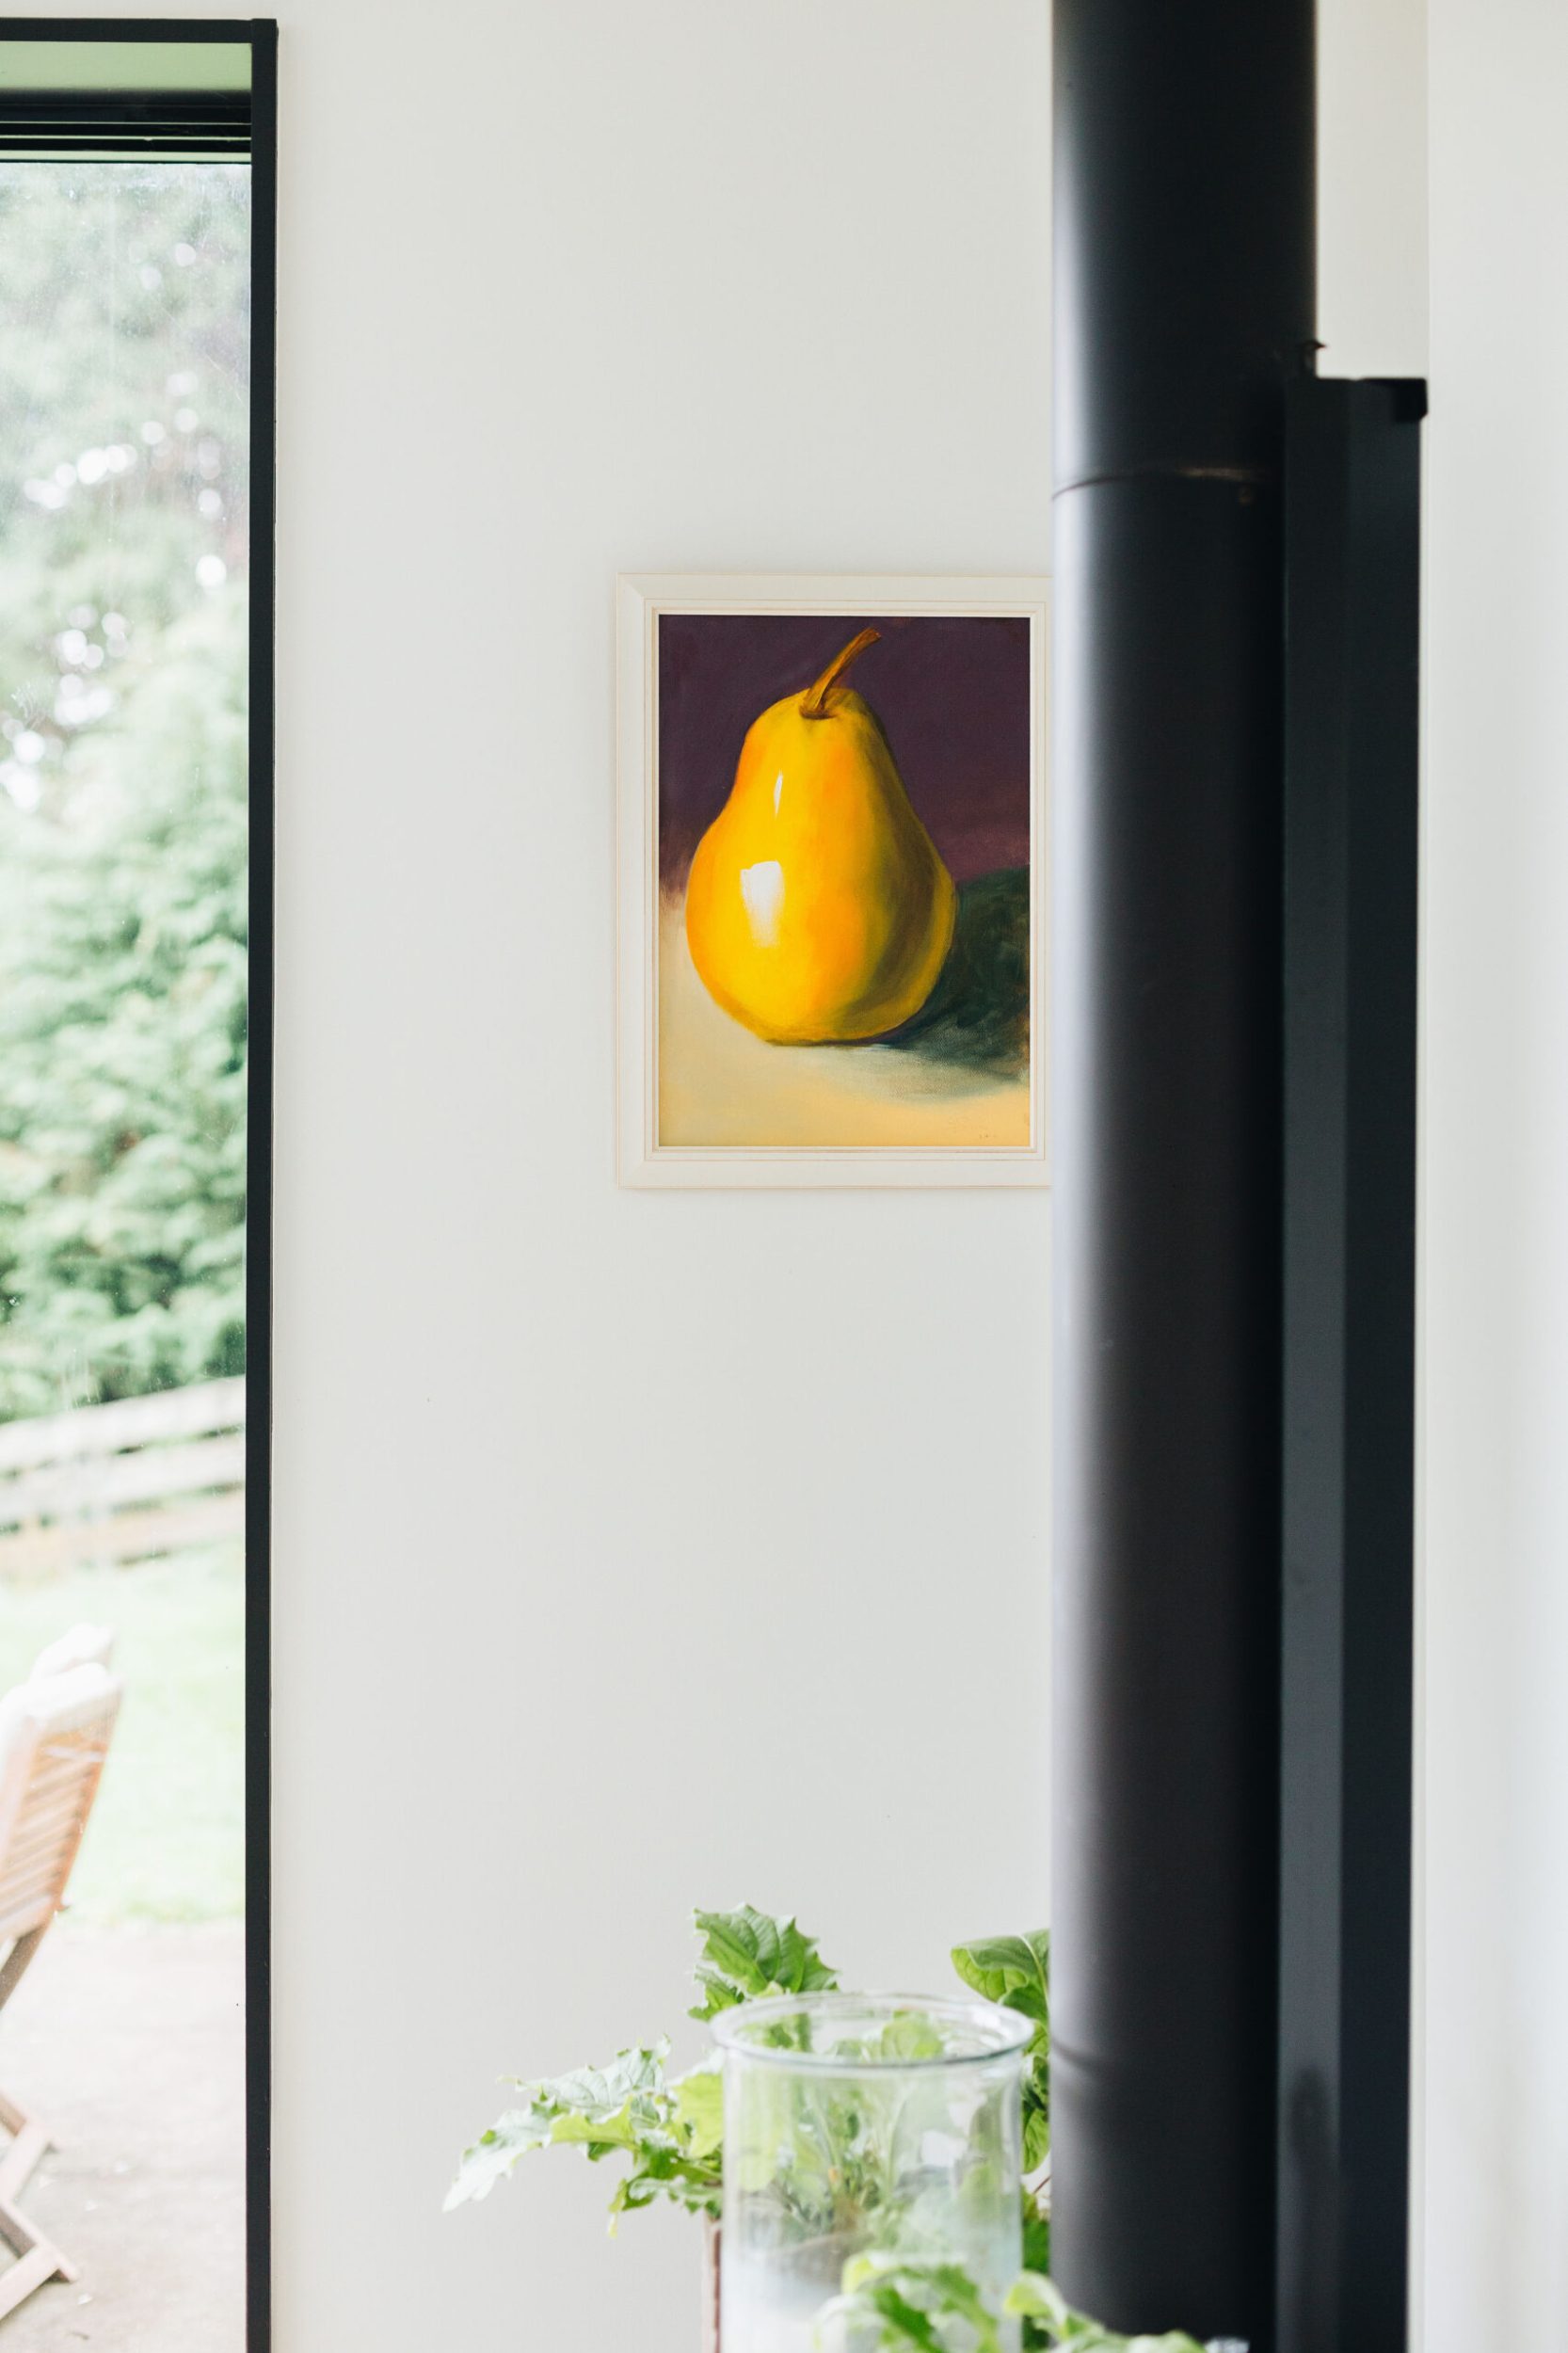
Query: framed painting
[831, 850]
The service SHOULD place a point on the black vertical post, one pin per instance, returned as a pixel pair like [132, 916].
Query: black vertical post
[1353, 566]
[1184, 299]
[259, 1140]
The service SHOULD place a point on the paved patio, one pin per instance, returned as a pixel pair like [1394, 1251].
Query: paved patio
[129, 2043]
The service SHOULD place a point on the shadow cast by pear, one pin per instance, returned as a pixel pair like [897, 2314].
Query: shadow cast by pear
[977, 1015]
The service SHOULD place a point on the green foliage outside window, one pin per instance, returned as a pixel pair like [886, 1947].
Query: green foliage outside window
[123, 442]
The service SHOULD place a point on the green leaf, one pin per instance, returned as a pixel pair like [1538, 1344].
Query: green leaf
[493, 2156]
[598, 2094]
[1036, 2236]
[1034, 2298]
[699, 2109]
[625, 2106]
[903, 2323]
[599, 2135]
[908, 2036]
[1014, 1971]
[747, 1955]
[672, 2133]
[1011, 1970]
[893, 2306]
[890, 2305]
[665, 2173]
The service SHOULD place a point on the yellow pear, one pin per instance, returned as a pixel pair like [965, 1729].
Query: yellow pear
[816, 909]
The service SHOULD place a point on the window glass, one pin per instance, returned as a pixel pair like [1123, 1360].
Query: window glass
[124, 433]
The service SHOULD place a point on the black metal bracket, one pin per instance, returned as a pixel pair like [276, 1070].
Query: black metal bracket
[1352, 552]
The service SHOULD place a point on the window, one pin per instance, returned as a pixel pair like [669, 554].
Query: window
[135, 503]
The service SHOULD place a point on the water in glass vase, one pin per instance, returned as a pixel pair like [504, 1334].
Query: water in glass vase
[775, 2305]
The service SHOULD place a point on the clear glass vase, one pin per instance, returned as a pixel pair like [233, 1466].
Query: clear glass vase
[857, 2124]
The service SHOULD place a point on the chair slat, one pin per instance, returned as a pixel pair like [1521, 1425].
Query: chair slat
[40, 1833]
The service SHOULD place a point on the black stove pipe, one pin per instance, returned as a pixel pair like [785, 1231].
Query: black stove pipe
[1184, 248]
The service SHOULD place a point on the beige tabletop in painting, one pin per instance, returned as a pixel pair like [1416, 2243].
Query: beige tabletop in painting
[737, 1089]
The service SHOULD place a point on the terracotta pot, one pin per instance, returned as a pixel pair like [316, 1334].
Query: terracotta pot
[712, 2241]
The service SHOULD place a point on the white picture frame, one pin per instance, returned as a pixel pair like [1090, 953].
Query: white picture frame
[642, 599]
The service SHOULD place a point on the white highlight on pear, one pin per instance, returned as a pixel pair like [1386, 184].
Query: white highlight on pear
[762, 889]
[778, 791]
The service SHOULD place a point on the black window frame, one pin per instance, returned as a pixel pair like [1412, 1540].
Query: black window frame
[224, 123]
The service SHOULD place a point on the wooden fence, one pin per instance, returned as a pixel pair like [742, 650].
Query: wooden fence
[118, 1482]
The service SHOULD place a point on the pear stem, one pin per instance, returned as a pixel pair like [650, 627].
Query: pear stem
[813, 703]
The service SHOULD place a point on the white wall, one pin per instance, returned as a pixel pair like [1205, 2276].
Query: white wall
[1492, 2248]
[634, 1551]
[1496, 1182]
[1372, 188]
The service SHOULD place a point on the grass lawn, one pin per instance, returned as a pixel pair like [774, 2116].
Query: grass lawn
[167, 1839]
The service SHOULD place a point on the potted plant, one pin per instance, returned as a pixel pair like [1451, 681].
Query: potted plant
[669, 2131]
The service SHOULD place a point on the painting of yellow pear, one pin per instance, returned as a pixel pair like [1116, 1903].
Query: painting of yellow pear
[832, 824]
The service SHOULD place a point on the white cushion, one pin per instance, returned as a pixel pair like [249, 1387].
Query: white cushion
[59, 1702]
[84, 1646]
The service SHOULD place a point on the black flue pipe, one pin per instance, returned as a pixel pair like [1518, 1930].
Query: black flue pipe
[1184, 242]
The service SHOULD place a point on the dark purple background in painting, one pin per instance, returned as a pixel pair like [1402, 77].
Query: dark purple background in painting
[951, 693]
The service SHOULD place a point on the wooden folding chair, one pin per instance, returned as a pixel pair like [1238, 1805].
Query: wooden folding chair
[58, 1737]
